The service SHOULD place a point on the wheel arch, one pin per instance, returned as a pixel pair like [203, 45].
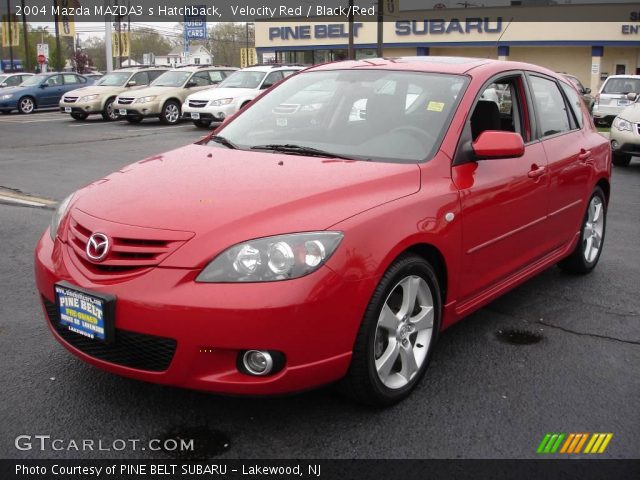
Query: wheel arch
[431, 254]
[32, 97]
[604, 184]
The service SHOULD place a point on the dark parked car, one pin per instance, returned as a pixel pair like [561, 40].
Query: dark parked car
[588, 99]
[40, 91]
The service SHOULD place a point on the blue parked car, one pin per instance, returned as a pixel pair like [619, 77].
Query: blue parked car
[40, 91]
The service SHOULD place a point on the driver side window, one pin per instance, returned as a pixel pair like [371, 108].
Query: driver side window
[500, 107]
[272, 79]
[53, 81]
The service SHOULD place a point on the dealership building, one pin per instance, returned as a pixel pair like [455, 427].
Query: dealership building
[571, 42]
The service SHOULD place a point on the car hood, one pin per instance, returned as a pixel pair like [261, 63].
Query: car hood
[93, 90]
[8, 90]
[149, 91]
[222, 92]
[227, 196]
[631, 113]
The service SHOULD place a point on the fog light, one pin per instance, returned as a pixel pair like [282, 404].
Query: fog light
[221, 115]
[257, 362]
[615, 145]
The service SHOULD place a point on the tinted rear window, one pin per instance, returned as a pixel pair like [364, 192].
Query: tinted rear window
[622, 85]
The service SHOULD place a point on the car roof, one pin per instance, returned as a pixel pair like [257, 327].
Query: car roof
[195, 68]
[623, 76]
[436, 64]
[272, 68]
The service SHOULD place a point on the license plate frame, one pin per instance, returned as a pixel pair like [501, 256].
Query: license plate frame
[195, 116]
[122, 111]
[67, 109]
[78, 317]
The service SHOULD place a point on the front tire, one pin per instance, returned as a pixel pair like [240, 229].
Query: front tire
[397, 334]
[202, 123]
[26, 105]
[621, 159]
[133, 119]
[170, 114]
[110, 114]
[585, 256]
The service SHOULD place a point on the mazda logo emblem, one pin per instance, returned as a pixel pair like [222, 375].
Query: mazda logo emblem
[97, 247]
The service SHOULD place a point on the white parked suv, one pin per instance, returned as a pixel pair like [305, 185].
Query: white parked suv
[233, 93]
[612, 97]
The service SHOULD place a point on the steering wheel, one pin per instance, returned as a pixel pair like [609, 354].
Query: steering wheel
[421, 135]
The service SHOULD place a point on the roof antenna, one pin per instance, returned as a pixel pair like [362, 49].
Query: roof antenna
[503, 32]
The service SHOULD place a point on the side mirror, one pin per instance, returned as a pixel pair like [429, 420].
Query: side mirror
[266, 85]
[44, 85]
[587, 91]
[131, 83]
[191, 84]
[498, 144]
[3, 84]
[633, 96]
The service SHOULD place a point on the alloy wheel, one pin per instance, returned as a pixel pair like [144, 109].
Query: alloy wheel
[404, 332]
[26, 105]
[593, 230]
[172, 113]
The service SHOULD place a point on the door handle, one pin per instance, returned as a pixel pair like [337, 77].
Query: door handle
[584, 155]
[536, 171]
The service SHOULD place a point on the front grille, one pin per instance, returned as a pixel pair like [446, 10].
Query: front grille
[125, 100]
[70, 99]
[127, 255]
[198, 103]
[129, 349]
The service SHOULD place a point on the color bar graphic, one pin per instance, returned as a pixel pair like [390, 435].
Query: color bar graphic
[574, 443]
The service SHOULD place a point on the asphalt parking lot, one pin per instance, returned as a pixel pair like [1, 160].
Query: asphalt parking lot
[483, 396]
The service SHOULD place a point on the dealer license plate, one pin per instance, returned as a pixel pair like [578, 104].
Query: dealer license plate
[195, 115]
[123, 111]
[85, 313]
[67, 109]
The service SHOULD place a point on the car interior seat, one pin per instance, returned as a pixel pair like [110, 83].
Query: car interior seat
[486, 116]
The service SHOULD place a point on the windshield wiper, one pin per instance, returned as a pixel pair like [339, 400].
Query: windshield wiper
[223, 141]
[300, 150]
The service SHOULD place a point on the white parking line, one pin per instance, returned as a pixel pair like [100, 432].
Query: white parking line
[158, 128]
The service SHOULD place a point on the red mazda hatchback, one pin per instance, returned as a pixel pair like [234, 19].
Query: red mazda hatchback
[330, 230]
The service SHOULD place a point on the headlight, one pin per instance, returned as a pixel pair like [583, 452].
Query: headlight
[88, 98]
[63, 206]
[622, 124]
[145, 99]
[270, 259]
[6, 97]
[220, 101]
[311, 107]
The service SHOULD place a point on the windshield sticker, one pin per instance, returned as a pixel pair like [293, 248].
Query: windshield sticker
[435, 106]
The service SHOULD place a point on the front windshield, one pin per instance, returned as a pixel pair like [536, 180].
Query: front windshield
[171, 79]
[243, 80]
[374, 115]
[35, 80]
[115, 79]
[622, 85]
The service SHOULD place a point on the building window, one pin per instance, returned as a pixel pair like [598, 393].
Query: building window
[196, 60]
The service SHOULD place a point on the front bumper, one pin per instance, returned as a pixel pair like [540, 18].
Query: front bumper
[85, 107]
[151, 109]
[312, 320]
[10, 104]
[624, 141]
[602, 112]
[215, 114]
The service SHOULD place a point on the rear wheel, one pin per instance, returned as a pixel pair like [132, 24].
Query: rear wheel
[133, 119]
[26, 105]
[585, 256]
[109, 113]
[202, 123]
[621, 159]
[79, 116]
[170, 114]
[397, 334]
